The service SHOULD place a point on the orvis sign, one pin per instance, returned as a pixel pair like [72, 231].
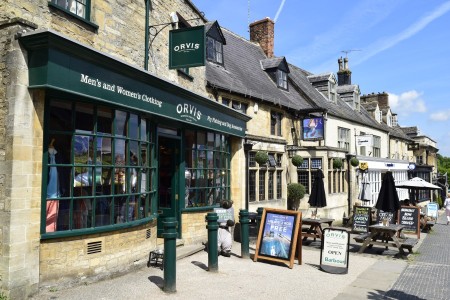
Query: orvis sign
[187, 47]
[62, 65]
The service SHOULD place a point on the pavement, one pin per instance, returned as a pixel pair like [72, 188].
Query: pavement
[375, 274]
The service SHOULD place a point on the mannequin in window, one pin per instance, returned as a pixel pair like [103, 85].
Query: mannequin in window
[52, 190]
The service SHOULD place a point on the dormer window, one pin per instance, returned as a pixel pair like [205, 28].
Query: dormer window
[214, 50]
[282, 79]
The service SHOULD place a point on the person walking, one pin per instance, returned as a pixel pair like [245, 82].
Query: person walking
[447, 207]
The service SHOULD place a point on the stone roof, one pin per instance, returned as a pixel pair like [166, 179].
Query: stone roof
[273, 62]
[241, 73]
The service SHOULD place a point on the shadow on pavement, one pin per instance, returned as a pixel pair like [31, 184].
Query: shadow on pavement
[392, 294]
[200, 265]
[158, 281]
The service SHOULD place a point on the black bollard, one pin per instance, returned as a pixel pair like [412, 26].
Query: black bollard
[244, 220]
[213, 226]
[170, 256]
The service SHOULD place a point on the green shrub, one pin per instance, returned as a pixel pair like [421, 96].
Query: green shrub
[337, 163]
[354, 162]
[297, 160]
[295, 192]
[261, 157]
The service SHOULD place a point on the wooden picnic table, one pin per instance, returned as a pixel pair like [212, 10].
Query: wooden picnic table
[383, 236]
[315, 230]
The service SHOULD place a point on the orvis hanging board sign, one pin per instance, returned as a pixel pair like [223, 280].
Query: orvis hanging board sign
[334, 251]
[187, 47]
[277, 237]
[362, 216]
[409, 216]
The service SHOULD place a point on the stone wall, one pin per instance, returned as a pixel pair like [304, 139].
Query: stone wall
[25, 261]
[85, 259]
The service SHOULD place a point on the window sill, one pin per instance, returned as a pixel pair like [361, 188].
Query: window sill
[96, 230]
[89, 23]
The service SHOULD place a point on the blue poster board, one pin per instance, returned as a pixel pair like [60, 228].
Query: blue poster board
[277, 237]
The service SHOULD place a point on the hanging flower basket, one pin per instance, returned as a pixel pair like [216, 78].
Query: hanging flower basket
[297, 160]
[354, 162]
[337, 163]
[261, 157]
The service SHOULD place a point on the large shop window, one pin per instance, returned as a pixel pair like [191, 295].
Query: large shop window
[337, 178]
[305, 172]
[265, 181]
[100, 168]
[207, 168]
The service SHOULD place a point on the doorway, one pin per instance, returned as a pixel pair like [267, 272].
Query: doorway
[168, 181]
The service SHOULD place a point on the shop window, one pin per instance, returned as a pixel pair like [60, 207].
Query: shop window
[214, 50]
[79, 8]
[99, 171]
[305, 172]
[269, 176]
[337, 178]
[207, 168]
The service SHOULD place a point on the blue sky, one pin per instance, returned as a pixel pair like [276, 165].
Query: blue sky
[403, 48]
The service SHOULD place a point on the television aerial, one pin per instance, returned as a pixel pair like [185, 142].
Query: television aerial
[348, 51]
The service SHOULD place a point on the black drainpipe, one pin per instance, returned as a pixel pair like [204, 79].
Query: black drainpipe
[349, 193]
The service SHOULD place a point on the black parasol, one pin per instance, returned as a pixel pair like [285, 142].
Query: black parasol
[318, 197]
[388, 197]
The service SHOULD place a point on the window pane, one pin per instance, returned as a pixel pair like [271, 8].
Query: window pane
[84, 117]
[133, 125]
[60, 116]
[104, 120]
[143, 129]
[121, 118]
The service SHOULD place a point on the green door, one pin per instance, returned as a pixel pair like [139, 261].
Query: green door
[168, 180]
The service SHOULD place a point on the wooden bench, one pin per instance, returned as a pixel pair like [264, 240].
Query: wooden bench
[361, 237]
[409, 244]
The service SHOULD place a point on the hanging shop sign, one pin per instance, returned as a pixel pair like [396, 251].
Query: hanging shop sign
[187, 47]
[364, 140]
[59, 64]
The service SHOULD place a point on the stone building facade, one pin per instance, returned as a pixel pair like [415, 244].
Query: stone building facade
[97, 135]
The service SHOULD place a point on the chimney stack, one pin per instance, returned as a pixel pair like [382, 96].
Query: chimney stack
[344, 74]
[262, 32]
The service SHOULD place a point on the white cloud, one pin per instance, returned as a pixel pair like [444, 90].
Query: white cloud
[412, 30]
[441, 116]
[407, 103]
[280, 8]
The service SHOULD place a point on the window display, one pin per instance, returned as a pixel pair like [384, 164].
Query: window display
[98, 170]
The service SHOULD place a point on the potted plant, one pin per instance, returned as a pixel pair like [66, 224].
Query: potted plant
[337, 163]
[297, 160]
[261, 157]
[354, 162]
[295, 192]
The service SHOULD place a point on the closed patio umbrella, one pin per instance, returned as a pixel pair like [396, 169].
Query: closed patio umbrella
[388, 197]
[318, 197]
